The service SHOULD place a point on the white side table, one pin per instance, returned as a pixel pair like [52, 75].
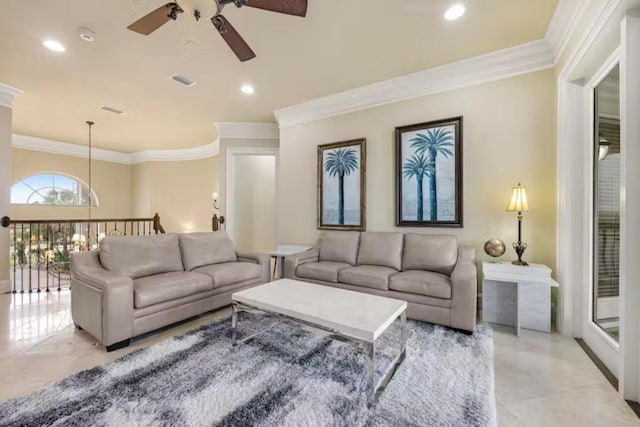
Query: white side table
[517, 295]
[280, 253]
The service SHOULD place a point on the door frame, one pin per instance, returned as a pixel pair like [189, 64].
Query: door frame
[607, 349]
[616, 24]
[229, 194]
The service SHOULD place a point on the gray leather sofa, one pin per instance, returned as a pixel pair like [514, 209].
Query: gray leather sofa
[134, 285]
[437, 278]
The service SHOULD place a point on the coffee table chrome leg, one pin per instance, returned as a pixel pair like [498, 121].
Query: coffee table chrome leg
[371, 353]
[234, 323]
[403, 334]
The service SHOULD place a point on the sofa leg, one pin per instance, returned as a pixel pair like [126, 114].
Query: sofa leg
[118, 345]
[78, 327]
[463, 331]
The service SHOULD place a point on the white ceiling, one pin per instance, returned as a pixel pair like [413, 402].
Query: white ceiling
[341, 44]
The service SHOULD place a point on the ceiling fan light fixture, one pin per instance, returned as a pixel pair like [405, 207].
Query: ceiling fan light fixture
[247, 89]
[54, 45]
[455, 12]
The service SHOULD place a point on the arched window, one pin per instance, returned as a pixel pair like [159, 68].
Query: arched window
[52, 189]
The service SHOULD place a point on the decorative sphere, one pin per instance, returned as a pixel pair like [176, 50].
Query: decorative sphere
[495, 248]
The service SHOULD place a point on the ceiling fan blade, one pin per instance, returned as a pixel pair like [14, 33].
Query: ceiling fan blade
[289, 7]
[156, 19]
[233, 38]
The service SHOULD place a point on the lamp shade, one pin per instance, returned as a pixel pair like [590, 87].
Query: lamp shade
[519, 201]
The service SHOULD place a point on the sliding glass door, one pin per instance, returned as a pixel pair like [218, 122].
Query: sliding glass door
[601, 330]
[606, 206]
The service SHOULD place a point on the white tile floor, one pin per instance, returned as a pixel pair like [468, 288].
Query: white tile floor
[541, 379]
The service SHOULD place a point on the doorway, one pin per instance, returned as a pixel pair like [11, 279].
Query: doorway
[251, 197]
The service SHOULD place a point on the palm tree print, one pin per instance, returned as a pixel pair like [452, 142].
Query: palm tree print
[341, 162]
[436, 141]
[418, 166]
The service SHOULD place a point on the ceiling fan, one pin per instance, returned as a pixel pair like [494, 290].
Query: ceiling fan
[170, 11]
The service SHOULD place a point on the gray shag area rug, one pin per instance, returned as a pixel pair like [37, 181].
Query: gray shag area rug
[286, 376]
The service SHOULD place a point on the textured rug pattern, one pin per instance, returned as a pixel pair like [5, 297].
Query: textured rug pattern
[286, 376]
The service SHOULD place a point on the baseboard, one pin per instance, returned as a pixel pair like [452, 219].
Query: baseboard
[635, 406]
[5, 286]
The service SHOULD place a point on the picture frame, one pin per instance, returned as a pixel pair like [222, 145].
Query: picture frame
[342, 185]
[429, 174]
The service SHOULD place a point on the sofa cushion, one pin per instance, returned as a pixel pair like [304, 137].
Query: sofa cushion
[420, 282]
[230, 273]
[437, 253]
[199, 249]
[138, 256]
[340, 246]
[165, 287]
[323, 270]
[369, 276]
[383, 249]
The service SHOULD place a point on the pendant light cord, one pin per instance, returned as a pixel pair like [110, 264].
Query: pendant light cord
[90, 123]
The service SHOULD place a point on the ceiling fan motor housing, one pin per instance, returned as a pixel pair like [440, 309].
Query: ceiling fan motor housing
[175, 10]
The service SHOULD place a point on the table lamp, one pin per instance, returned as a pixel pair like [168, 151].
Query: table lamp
[519, 204]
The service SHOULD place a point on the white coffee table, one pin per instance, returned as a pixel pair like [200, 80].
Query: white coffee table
[358, 316]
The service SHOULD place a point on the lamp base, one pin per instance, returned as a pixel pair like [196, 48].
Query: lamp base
[519, 247]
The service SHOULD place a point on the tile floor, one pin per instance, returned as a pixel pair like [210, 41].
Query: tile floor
[541, 379]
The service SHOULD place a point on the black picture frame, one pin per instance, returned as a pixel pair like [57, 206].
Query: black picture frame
[415, 146]
[356, 170]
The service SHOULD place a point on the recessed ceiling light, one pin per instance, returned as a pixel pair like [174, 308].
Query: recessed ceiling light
[53, 45]
[455, 12]
[86, 34]
[248, 89]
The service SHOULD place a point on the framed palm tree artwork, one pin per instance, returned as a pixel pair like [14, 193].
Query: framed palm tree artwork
[429, 174]
[341, 185]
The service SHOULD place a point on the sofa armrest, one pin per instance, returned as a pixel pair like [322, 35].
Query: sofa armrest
[263, 260]
[292, 262]
[101, 301]
[464, 288]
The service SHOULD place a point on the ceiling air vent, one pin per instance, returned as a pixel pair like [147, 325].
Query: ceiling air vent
[182, 80]
[112, 110]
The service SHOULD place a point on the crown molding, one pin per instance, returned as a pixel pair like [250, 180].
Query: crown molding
[563, 23]
[493, 66]
[8, 95]
[248, 130]
[605, 10]
[74, 150]
[517, 60]
[66, 149]
[181, 155]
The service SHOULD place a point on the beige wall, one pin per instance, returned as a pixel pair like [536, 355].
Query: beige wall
[509, 136]
[179, 191]
[222, 165]
[5, 193]
[110, 181]
[255, 203]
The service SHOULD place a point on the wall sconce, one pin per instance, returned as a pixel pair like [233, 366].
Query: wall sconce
[216, 221]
